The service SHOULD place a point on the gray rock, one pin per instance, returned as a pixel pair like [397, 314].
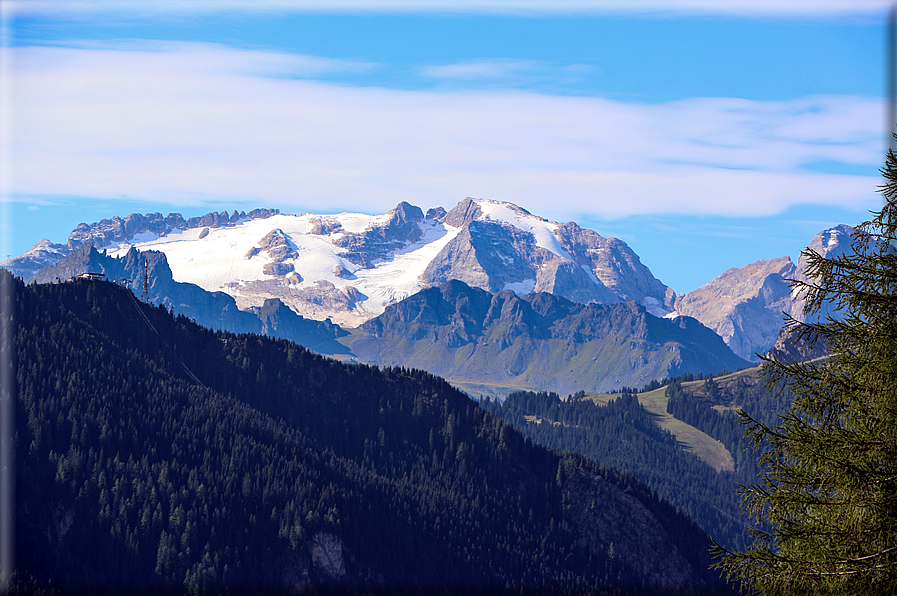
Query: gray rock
[117, 230]
[616, 266]
[277, 245]
[436, 213]
[747, 306]
[322, 226]
[279, 269]
[377, 242]
[487, 255]
[744, 306]
[464, 212]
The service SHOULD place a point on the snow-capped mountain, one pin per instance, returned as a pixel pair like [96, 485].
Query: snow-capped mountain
[43, 254]
[349, 267]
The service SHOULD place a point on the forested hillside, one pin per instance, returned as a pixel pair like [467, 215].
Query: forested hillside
[623, 434]
[151, 452]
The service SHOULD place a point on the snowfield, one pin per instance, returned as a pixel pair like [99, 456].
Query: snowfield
[218, 262]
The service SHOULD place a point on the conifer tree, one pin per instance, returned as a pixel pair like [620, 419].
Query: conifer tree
[828, 489]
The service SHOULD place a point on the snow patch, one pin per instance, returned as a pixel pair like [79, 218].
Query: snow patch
[654, 307]
[219, 263]
[541, 229]
[521, 288]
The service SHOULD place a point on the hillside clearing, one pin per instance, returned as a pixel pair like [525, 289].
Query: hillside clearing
[701, 444]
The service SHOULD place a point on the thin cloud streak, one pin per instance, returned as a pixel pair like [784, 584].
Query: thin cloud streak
[750, 8]
[191, 123]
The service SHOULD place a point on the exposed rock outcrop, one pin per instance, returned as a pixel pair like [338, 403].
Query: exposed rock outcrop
[401, 229]
[487, 255]
[123, 230]
[746, 306]
[277, 269]
[463, 213]
[581, 265]
[277, 245]
[323, 226]
[616, 266]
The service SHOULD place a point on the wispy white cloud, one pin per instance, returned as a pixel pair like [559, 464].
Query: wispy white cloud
[774, 8]
[499, 72]
[484, 69]
[188, 123]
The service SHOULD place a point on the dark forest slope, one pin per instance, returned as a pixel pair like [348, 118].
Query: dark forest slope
[620, 432]
[153, 452]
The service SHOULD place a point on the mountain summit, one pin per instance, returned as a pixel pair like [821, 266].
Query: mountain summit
[746, 306]
[349, 267]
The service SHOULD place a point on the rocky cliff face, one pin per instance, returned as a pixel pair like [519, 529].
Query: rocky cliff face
[745, 306]
[539, 341]
[379, 240]
[133, 228]
[502, 246]
[487, 255]
[119, 230]
[616, 266]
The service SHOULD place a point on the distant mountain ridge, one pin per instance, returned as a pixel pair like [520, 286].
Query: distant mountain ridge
[350, 267]
[491, 343]
[118, 231]
[483, 342]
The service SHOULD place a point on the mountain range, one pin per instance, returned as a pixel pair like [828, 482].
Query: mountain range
[305, 277]
[487, 295]
[348, 267]
[493, 344]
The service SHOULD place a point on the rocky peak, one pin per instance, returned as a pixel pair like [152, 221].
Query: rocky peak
[323, 226]
[41, 255]
[122, 230]
[436, 213]
[745, 305]
[464, 212]
[616, 266]
[378, 241]
[406, 212]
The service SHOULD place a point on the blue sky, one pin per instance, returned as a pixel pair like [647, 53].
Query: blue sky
[706, 134]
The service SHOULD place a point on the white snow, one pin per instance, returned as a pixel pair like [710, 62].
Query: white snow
[653, 306]
[146, 236]
[834, 237]
[544, 231]
[521, 288]
[220, 257]
[359, 222]
[399, 278]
